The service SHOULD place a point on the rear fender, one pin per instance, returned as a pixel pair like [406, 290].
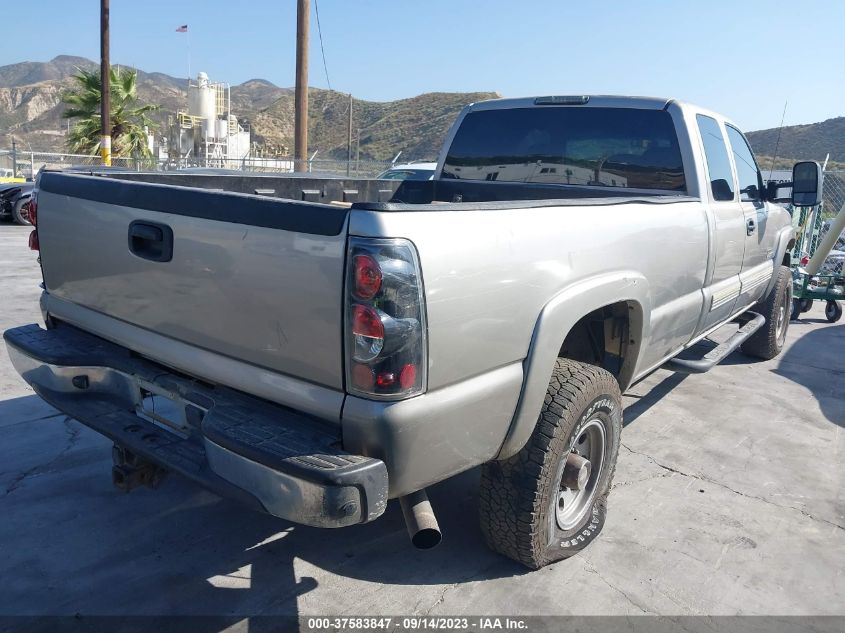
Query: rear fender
[556, 319]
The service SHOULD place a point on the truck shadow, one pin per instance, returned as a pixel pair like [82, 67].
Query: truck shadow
[817, 361]
[643, 403]
[180, 550]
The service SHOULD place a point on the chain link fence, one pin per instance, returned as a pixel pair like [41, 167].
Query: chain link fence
[833, 193]
[26, 164]
[813, 223]
[833, 198]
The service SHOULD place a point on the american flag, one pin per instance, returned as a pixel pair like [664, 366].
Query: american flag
[182, 29]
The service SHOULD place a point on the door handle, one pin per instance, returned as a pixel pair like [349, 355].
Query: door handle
[151, 240]
[750, 225]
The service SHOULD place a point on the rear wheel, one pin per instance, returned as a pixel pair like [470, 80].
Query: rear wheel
[833, 311]
[20, 212]
[805, 304]
[767, 342]
[549, 501]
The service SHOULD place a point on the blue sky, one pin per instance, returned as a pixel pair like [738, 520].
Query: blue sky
[743, 58]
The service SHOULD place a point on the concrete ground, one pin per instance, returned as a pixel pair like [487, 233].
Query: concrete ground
[728, 499]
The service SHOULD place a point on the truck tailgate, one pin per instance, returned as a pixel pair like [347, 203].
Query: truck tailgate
[256, 279]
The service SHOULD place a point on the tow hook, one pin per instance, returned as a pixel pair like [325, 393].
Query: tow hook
[131, 471]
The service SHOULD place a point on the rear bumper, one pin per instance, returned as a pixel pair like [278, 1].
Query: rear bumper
[271, 458]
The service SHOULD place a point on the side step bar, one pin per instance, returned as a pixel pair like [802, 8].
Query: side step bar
[751, 322]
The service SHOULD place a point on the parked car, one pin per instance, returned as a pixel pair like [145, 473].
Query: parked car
[410, 171]
[7, 176]
[14, 201]
[314, 360]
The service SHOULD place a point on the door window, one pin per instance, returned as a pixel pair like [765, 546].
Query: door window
[746, 167]
[716, 153]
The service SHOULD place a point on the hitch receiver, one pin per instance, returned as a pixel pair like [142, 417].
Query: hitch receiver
[130, 471]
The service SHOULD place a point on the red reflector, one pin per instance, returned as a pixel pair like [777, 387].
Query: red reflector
[408, 376]
[33, 210]
[362, 377]
[367, 276]
[385, 380]
[33, 241]
[805, 260]
[366, 322]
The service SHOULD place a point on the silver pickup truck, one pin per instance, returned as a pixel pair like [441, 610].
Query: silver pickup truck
[315, 347]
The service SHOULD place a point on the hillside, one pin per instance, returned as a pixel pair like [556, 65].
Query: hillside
[803, 142]
[31, 108]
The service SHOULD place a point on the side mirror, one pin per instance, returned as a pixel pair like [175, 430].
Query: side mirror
[806, 184]
[775, 191]
[751, 191]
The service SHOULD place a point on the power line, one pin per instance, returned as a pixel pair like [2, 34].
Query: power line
[322, 50]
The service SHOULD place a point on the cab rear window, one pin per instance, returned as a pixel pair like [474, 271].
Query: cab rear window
[588, 146]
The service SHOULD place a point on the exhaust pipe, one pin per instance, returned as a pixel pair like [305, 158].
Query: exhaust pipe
[420, 519]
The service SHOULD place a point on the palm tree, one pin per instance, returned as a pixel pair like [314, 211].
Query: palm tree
[129, 120]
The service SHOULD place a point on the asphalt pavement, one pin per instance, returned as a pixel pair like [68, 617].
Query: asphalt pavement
[728, 499]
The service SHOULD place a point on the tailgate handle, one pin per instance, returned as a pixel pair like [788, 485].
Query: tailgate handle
[152, 241]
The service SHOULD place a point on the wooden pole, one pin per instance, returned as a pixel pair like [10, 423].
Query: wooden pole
[349, 138]
[358, 153]
[300, 134]
[105, 85]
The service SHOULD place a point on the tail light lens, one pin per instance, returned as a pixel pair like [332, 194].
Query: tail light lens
[386, 353]
[367, 275]
[33, 218]
[367, 333]
[33, 208]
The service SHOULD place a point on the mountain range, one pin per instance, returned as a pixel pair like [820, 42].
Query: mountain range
[31, 107]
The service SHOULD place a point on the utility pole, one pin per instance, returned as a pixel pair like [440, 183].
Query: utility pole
[349, 138]
[300, 121]
[358, 153]
[14, 158]
[105, 85]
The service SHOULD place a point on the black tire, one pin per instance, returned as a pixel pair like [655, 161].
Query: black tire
[519, 496]
[832, 311]
[768, 341]
[20, 212]
[806, 304]
[796, 310]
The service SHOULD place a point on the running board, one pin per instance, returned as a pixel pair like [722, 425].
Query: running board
[751, 322]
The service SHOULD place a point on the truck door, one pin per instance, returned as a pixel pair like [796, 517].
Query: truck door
[757, 265]
[722, 283]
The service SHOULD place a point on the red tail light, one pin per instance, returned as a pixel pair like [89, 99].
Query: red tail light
[385, 320]
[367, 276]
[367, 333]
[33, 218]
[408, 376]
[33, 209]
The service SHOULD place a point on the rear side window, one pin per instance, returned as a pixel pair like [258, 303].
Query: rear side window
[568, 145]
[747, 172]
[716, 153]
